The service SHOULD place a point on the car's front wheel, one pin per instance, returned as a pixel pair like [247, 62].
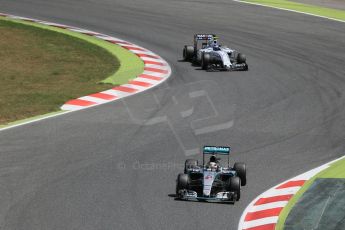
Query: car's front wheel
[190, 163]
[241, 58]
[235, 186]
[182, 182]
[241, 171]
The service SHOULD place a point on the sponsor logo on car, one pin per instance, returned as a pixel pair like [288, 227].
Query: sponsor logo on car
[208, 177]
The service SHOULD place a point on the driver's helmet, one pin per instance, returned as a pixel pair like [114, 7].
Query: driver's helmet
[216, 48]
[213, 158]
[213, 42]
[212, 165]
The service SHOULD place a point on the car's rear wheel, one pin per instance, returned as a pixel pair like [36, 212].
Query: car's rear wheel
[190, 163]
[241, 171]
[205, 61]
[188, 52]
[235, 186]
[182, 182]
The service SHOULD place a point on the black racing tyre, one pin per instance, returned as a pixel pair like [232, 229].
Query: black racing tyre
[188, 53]
[241, 58]
[182, 182]
[190, 163]
[235, 186]
[205, 61]
[246, 68]
[241, 171]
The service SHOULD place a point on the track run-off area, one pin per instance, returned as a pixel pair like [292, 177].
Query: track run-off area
[114, 166]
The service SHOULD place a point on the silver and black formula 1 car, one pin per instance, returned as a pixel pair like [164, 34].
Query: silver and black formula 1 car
[211, 181]
[212, 56]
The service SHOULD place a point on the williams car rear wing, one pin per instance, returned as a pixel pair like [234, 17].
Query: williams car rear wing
[214, 150]
[202, 37]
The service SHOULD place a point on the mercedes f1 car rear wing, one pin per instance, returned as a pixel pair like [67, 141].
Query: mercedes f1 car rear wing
[214, 150]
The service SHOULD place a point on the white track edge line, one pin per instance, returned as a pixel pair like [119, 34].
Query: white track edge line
[295, 11]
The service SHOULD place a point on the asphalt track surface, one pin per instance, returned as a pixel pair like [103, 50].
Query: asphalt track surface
[114, 166]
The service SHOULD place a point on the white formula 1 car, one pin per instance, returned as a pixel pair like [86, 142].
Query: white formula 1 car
[212, 56]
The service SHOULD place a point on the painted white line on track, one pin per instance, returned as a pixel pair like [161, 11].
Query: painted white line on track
[162, 67]
[93, 99]
[136, 87]
[146, 80]
[116, 93]
[141, 52]
[34, 120]
[152, 59]
[260, 222]
[153, 73]
[294, 11]
[261, 207]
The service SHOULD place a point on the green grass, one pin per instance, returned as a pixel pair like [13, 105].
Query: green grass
[336, 170]
[41, 68]
[306, 8]
[130, 64]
